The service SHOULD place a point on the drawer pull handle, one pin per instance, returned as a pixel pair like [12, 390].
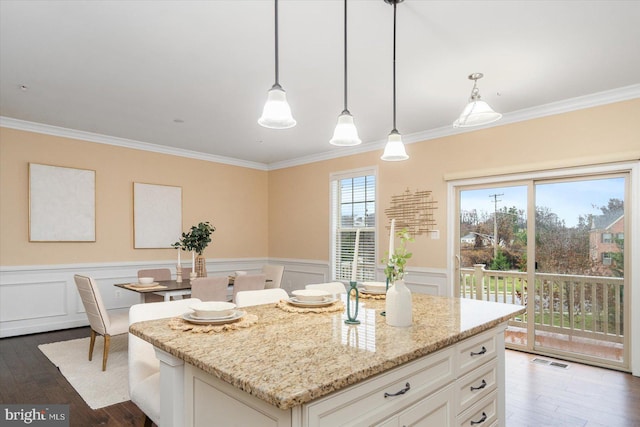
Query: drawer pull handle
[406, 388]
[482, 351]
[481, 420]
[482, 385]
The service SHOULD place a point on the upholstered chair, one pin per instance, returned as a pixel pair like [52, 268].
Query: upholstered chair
[248, 282]
[157, 274]
[210, 288]
[101, 322]
[273, 273]
[262, 296]
[144, 367]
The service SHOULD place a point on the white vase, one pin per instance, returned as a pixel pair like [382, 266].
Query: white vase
[398, 305]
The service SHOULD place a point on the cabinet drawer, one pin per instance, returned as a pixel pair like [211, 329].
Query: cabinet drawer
[482, 414]
[476, 384]
[365, 403]
[435, 410]
[476, 351]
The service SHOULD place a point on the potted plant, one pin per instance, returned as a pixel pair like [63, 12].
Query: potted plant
[197, 240]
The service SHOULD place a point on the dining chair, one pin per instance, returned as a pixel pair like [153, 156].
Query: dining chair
[144, 367]
[186, 271]
[157, 274]
[273, 273]
[100, 321]
[334, 288]
[248, 282]
[261, 296]
[210, 288]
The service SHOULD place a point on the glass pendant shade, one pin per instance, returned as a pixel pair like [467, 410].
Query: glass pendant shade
[476, 113]
[394, 150]
[277, 113]
[345, 134]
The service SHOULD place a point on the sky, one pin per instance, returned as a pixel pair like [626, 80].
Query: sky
[568, 200]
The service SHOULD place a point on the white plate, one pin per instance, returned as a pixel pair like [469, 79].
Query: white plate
[365, 291]
[325, 302]
[228, 316]
[237, 315]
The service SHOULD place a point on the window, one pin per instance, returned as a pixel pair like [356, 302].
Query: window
[353, 207]
[607, 238]
[620, 237]
[606, 258]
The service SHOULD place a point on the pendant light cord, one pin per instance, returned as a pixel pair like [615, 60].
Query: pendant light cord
[345, 57]
[276, 33]
[394, 66]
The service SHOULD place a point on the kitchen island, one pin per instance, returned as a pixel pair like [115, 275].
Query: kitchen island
[311, 369]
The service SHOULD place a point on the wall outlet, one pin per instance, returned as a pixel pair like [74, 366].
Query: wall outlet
[118, 293]
[435, 234]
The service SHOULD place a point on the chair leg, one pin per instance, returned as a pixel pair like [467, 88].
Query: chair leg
[147, 421]
[91, 344]
[105, 354]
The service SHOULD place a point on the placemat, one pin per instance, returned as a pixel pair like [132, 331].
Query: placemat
[179, 324]
[144, 288]
[370, 296]
[333, 308]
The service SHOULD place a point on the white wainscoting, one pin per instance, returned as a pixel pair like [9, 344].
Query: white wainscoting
[42, 298]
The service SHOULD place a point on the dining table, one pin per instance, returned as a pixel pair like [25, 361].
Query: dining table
[169, 288]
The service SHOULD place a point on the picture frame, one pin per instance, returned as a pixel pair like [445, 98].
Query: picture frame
[62, 204]
[157, 215]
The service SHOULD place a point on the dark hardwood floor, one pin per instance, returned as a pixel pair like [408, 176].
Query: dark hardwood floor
[537, 394]
[27, 376]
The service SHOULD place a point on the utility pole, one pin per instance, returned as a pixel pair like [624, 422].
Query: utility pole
[495, 223]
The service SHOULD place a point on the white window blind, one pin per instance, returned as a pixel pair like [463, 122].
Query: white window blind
[353, 207]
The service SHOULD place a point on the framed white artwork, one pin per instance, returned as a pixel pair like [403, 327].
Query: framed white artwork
[157, 215]
[62, 204]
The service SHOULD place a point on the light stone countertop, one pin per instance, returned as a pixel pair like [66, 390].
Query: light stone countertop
[288, 359]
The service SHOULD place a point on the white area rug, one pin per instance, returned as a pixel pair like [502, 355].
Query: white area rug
[97, 388]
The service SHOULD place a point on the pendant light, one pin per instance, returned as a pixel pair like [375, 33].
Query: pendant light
[394, 150]
[276, 113]
[345, 133]
[477, 112]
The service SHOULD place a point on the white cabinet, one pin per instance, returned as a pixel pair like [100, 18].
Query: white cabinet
[460, 385]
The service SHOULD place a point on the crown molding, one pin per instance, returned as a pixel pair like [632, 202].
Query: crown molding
[573, 104]
[582, 102]
[12, 123]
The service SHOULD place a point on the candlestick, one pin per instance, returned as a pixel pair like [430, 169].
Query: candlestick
[179, 249]
[354, 266]
[391, 236]
[193, 260]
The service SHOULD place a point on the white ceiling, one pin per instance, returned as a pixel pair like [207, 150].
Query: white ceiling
[130, 69]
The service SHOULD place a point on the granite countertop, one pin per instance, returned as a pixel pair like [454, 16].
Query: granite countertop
[288, 359]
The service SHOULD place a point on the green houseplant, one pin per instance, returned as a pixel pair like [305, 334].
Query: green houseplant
[197, 240]
[397, 261]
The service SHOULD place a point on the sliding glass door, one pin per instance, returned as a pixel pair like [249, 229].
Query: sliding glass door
[556, 246]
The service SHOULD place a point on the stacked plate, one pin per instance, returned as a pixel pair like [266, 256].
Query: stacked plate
[374, 288]
[213, 312]
[311, 298]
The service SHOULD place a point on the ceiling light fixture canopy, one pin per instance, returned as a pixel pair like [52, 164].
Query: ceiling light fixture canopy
[276, 113]
[345, 134]
[477, 112]
[394, 150]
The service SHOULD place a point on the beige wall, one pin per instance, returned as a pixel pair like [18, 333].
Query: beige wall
[285, 213]
[299, 196]
[234, 199]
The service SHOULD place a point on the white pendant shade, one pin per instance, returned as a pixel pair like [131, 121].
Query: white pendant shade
[277, 113]
[345, 133]
[476, 113]
[394, 150]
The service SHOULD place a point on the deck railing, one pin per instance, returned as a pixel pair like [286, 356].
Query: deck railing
[584, 306]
